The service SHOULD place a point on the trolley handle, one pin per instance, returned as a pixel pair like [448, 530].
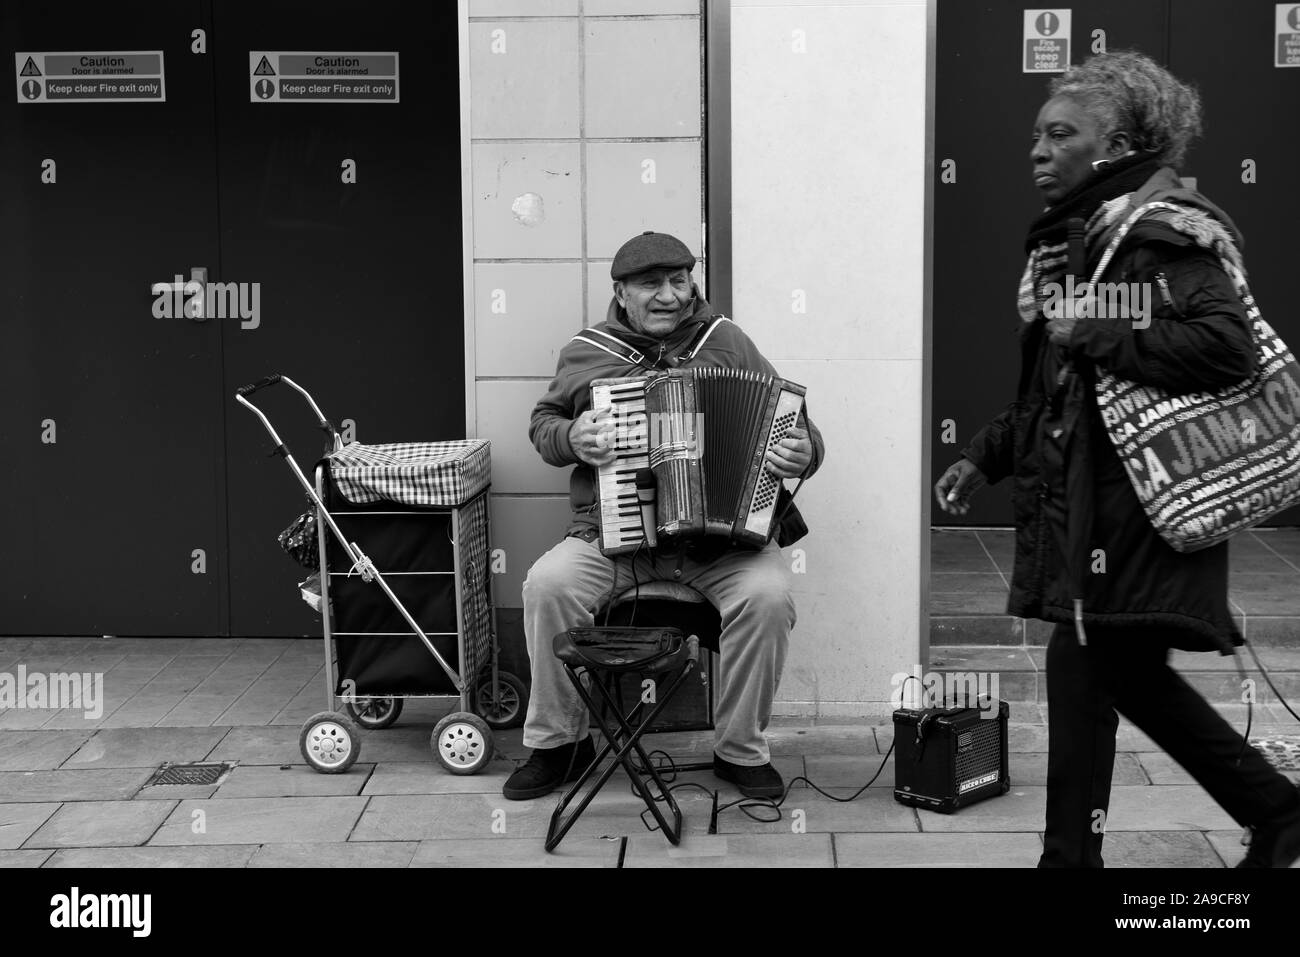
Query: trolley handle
[247, 390]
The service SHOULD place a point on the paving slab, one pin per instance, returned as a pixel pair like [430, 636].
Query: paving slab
[1001, 849]
[841, 774]
[428, 777]
[260, 745]
[18, 822]
[145, 747]
[730, 850]
[231, 855]
[351, 854]
[139, 713]
[307, 820]
[401, 744]
[109, 784]
[1227, 845]
[1162, 769]
[196, 710]
[1158, 849]
[971, 629]
[38, 750]
[1020, 810]
[838, 739]
[489, 817]
[874, 810]
[174, 792]
[17, 859]
[101, 824]
[298, 780]
[24, 719]
[575, 850]
[1164, 808]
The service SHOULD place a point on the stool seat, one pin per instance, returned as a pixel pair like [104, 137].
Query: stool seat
[645, 650]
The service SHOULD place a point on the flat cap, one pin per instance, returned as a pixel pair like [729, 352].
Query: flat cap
[650, 250]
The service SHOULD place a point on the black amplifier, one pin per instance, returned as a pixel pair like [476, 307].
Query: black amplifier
[946, 758]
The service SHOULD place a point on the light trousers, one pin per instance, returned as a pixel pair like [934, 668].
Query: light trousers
[750, 589]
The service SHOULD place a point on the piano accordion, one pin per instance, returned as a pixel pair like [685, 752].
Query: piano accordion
[703, 432]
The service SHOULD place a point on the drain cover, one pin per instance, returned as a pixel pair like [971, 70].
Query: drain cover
[1282, 753]
[170, 773]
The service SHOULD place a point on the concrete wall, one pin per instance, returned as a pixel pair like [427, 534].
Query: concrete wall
[828, 125]
[828, 120]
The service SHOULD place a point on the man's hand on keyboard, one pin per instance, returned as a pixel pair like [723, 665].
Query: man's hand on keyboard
[592, 437]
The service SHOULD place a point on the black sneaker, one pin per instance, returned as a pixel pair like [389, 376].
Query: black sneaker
[761, 782]
[548, 768]
[1276, 844]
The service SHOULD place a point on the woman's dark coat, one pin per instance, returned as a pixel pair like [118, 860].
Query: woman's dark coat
[1081, 531]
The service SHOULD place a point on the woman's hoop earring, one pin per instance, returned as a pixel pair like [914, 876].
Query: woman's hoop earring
[1100, 164]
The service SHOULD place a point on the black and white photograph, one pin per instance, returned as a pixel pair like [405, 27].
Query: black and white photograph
[650, 434]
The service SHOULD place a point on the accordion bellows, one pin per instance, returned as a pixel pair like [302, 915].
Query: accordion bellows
[704, 432]
[412, 473]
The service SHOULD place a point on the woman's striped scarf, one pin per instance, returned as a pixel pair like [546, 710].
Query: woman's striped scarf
[1100, 201]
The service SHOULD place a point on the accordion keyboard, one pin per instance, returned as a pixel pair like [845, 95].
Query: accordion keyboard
[620, 514]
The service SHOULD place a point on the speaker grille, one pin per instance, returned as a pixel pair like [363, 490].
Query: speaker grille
[979, 750]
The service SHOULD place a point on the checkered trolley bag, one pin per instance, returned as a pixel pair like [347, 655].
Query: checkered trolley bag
[405, 595]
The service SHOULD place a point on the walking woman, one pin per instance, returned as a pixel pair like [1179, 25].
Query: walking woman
[1111, 137]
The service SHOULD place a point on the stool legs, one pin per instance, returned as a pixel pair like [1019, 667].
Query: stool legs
[622, 740]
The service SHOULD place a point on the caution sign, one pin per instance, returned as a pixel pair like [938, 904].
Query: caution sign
[1046, 41]
[128, 76]
[280, 77]
[1287, 48]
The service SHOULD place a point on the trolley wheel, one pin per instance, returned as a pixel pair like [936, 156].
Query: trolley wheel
[329, 742]
[374, 713]
[505, 705]
[463, 743]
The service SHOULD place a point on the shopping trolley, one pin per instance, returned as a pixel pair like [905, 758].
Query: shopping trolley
[405, 590]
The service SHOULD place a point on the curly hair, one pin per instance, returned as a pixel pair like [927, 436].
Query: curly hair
[1126, 90]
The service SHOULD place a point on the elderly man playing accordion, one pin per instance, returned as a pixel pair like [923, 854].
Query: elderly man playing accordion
[657, 312]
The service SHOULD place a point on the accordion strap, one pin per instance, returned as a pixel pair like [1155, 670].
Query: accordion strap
[615, 346]
[702, 337]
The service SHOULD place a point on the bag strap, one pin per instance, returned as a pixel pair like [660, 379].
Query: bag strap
[1124, 230]
[1234, 274]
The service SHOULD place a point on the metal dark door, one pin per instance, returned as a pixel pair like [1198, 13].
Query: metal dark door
[136, 495]
[984, 201]
[112, 473]
[361, 283]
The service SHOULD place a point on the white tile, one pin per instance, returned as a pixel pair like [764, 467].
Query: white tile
[632, 187]
[642, 78]
[523, 8]
[619, 8]
[504, 411]
[526, 201]
[524, 78]
[524, 313]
